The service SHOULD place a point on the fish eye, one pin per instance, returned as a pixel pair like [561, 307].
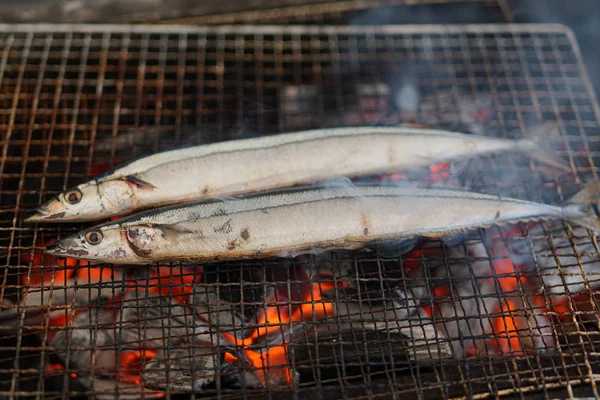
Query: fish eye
[94, 237]
[74, 196]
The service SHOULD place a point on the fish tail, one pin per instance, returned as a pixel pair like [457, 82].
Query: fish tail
[539, 146]
[585, 202]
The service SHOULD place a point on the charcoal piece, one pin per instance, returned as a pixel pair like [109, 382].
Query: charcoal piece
[425, 340]
[185, 369]
[468, 315]
[359, 271]
[467, 259]
[350, 350]
[559, 262]
[338, 265]
[220, 315]
[89, 341]
[152, 321]
[39, 303]
[105, 389]
[231, 294]
[349, 313]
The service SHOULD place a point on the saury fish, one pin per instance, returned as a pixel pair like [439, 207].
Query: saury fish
[259, 164]
[290, 223]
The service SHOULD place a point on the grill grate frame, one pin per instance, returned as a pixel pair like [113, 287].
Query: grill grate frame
[63, 89]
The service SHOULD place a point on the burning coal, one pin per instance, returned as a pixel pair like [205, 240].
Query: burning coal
[186, 328]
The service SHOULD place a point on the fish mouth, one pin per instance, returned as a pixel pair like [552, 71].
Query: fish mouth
[42, 214]
[37, 214]
[66, 248]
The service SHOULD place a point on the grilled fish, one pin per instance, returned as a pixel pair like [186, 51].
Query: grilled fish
[295, 222]
[260, 164]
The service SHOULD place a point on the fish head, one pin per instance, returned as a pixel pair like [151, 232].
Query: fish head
[113, 243]
[100, 244]
[88, 201]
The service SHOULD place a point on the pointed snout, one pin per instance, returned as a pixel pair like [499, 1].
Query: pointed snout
[68, 247]
[45, 214]
[36, 215]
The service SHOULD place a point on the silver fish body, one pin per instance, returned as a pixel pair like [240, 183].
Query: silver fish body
[265, 163]
[292, 223]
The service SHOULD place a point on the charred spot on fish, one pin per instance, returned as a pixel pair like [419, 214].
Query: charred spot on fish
[219, 213]
[497, 216]
[232, 244]
[225, 228]
[366, 223]
[205, 191]
[245, 234]
[265, 211]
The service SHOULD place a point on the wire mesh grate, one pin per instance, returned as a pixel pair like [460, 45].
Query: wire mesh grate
[508, 312]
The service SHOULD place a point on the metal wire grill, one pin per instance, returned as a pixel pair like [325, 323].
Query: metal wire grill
[69, 95]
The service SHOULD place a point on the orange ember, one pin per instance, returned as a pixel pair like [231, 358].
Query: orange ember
[506, 327]
[272, 364]
[504, 273]
[131, 363]
[411, 259]
[439, 172]
[506, 335]
[175, 283]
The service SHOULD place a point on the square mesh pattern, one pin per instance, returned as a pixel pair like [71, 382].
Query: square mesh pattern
[78, 99]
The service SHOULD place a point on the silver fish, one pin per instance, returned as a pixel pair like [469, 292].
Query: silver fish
[253, 165]
[290, 223]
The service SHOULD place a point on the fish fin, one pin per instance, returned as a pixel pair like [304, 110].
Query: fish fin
[455, 240]
[588, 193]
[337, 182]
[588, 201]
[135, 181]
[172, 229]
[537, 146]
[225, 199]
[393, 249]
